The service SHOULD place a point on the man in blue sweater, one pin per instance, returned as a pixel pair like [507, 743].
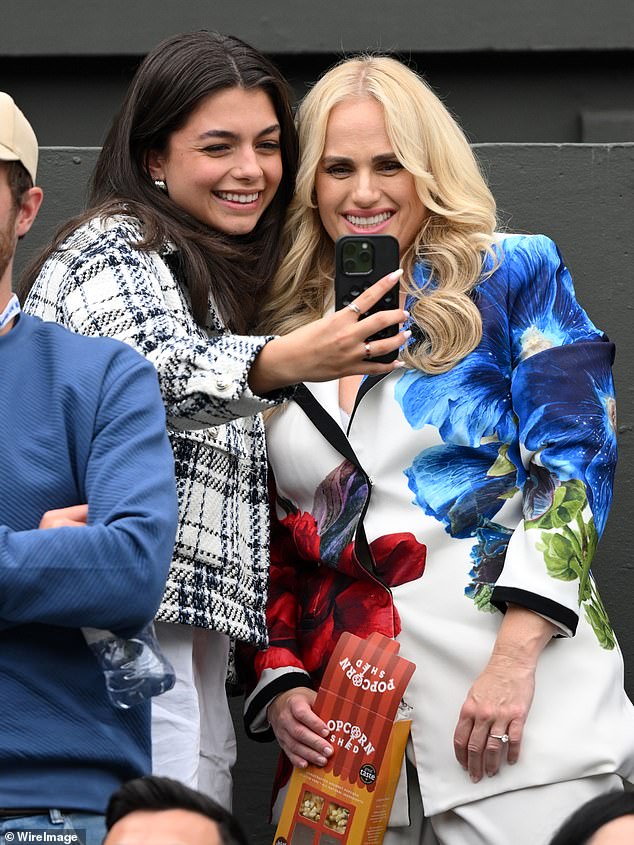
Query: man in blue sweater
[87, 524]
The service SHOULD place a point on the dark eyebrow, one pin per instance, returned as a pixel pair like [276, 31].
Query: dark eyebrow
[328, 160]
[224, 133]
[384, 157]
[336, 160]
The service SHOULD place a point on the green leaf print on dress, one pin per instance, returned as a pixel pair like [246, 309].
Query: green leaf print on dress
[568, 543]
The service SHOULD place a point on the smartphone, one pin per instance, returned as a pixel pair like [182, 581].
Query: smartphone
[361, 260]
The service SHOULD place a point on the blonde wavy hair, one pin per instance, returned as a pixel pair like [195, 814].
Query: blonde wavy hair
[455, 238]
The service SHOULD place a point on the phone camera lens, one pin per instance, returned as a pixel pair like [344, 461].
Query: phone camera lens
[349, 265]
[349, 249]
[364, 256]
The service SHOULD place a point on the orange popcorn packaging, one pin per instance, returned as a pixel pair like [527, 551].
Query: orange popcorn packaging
[348, 801]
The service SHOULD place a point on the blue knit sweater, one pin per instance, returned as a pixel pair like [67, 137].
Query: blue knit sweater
[81, 420]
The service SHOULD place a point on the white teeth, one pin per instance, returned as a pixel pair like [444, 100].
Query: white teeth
[368, 221]
[243, 198]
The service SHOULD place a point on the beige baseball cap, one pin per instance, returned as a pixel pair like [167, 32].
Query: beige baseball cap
[17, 138]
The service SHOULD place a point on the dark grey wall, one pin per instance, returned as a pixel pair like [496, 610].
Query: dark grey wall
[92, 27]
[583, 197]
[536, 71]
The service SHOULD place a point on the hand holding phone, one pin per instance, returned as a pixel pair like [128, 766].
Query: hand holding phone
[338, 345]
[361, 261]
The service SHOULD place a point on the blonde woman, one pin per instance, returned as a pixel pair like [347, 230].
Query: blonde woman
[454, 504]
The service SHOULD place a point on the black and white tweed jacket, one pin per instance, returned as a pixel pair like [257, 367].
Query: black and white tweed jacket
[99, 284]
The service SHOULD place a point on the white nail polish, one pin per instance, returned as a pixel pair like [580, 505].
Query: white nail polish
[393, 277]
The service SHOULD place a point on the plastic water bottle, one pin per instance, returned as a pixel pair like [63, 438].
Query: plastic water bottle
[135, 669]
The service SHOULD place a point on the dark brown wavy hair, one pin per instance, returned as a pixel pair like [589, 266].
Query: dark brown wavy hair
[167, 87]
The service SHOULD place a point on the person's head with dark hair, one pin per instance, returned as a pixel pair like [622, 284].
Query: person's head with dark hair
[204, 154]
[606, 820]
[170, 85]
[162, 811]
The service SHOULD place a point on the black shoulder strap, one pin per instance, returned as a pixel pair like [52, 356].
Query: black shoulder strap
[322, 420]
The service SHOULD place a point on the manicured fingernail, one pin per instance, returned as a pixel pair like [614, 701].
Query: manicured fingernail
[407, 333]
[324, 733]
[406, 314]
[490, 774]
[393, 277]
[327, 750]
[474, 778]
[303, 764]
[512, 762]
[321, 761]
[398, 365]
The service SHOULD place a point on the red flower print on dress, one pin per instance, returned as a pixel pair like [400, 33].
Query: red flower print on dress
[318, 587]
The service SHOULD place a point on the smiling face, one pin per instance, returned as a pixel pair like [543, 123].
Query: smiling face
[224, 165]
[361, 186]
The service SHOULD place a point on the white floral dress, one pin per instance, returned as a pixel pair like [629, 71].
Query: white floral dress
[447, 497]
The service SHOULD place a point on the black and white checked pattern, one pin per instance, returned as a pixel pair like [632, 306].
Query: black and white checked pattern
[98, 283]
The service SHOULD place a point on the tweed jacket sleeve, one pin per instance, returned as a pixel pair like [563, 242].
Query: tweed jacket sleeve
[99, 283]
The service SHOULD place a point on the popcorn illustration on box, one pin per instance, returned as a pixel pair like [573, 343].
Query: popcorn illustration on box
[348, 801]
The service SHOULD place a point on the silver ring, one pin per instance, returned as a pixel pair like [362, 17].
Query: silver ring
[354, 307]
[367, 350]
[504, 738]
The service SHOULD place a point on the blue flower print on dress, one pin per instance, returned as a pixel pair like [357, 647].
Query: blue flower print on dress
[465, 416]
[564, 399]
[472, 401]
[539, 384]
[462, 487]
[539, 491]
[488, 561]
[544, 311]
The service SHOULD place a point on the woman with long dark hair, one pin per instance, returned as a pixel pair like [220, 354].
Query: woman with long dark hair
[174, 256]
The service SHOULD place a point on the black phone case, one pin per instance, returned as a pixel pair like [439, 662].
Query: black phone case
[349, 287]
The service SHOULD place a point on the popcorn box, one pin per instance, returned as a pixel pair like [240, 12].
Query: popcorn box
[348, 801]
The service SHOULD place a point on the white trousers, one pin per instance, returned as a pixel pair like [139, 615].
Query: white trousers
[193, 738]
[523, 817]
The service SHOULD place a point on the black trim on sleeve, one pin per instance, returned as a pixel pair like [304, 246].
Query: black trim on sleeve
[532, 601]
[289, 680]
